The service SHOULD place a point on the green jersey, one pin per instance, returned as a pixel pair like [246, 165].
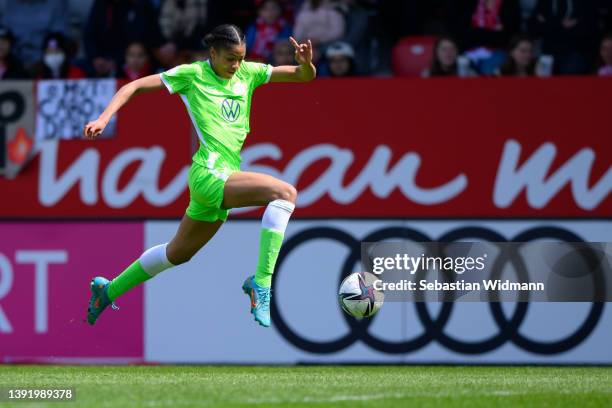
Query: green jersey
[219, 108]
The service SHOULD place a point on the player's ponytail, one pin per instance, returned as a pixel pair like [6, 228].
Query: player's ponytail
[224, 36]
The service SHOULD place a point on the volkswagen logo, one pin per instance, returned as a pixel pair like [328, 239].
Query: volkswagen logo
[230, 109]
[508, 328]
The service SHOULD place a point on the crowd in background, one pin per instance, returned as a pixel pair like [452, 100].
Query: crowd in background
[133, 38]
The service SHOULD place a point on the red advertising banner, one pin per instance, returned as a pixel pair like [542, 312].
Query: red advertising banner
[445, 148]
[45, 270]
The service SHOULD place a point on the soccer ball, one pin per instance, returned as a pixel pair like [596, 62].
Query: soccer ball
[357, 295]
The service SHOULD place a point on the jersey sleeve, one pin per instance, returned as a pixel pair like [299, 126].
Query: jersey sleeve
[257, 73]
[180, 78]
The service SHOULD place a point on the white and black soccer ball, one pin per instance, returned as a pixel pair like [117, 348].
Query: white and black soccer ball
[357, 295]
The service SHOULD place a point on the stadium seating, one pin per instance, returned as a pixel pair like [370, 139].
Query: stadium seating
[411, 55]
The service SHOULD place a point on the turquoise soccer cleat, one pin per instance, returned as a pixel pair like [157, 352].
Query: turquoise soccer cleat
[260, 300]
[99, 299]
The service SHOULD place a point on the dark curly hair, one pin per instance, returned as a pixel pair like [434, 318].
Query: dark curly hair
[224, 36]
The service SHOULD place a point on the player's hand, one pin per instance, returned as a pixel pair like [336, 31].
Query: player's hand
[303, 52]
[94, 128]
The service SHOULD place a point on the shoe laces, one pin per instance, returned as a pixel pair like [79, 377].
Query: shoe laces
[263, 296]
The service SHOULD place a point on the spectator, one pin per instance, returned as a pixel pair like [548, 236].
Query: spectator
[520, 61]
[56, 60]
[269, 27]
[283, 53]
[605, 53]
[446, 61]
[30, 21]
[318, 21]
[569, 32]
[10, 67]
[182, 22]
[77, 15]
[357, 33]
[341, 59]
[137, 62]
[484, 23]
[113, 24]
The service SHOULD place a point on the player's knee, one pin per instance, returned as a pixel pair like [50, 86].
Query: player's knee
[291, 193]
[179, 260]
[285, 191]
[179, 257]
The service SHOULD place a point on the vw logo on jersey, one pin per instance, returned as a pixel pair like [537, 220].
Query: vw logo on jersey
[230, 110]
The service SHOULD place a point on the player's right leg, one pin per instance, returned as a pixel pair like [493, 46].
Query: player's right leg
[244, 189]
[190, 237]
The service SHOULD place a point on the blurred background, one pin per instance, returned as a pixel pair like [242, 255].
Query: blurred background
[132, 38]
[490, 152]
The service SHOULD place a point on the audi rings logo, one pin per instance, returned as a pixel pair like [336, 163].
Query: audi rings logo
[434, 326]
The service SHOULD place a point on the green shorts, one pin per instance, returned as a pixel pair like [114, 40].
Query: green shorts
[206, 193]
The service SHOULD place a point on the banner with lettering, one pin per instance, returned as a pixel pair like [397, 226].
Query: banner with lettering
[65, 106]
[45, 274]
[381, 148]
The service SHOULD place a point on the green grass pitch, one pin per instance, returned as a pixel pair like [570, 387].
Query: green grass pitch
[316, 386]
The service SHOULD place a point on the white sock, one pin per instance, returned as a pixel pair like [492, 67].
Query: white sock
[154, 260]
[276, 216]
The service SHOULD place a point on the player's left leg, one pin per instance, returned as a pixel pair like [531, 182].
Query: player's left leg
[245, 189]
[202, 220]
[190, 237]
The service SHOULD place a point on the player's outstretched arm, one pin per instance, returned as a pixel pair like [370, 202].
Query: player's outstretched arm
[304, 72]
[149, 83]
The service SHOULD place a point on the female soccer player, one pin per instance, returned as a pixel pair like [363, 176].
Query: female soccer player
[217, 93]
